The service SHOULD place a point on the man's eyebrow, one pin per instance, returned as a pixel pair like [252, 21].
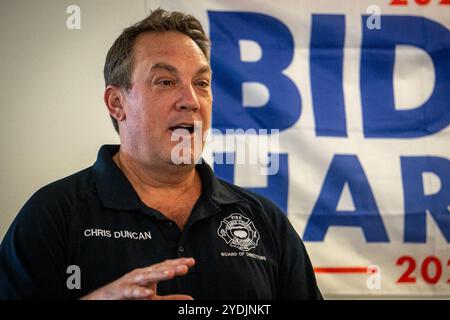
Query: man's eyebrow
[205, 69]
[165, 66]
[172, 69]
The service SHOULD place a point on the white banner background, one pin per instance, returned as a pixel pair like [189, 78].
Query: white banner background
[310, 156]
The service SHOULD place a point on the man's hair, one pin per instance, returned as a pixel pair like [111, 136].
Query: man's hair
[119, 60]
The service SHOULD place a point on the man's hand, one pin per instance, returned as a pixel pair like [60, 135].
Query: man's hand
[141, 283]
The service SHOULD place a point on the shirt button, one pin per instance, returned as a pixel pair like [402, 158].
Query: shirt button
[169, 223]
[181, 249]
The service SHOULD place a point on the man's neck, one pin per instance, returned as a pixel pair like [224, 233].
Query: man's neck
[171, 189]
[148, 177]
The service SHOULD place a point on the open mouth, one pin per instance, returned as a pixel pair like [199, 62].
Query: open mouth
[188, 127]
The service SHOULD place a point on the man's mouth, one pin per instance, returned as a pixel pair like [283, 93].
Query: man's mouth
[188, 127]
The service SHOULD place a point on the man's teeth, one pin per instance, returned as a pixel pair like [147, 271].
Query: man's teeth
[190, 128]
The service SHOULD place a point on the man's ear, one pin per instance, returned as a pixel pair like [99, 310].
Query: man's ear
[114, 100]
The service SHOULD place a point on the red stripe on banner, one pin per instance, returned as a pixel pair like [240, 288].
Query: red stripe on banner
[341, 270]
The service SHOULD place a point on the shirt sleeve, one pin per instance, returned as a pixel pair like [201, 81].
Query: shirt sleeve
[296, 274]
[33, 253]
[296, 278]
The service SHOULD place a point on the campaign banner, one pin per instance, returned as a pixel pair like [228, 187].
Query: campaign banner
[339, 112]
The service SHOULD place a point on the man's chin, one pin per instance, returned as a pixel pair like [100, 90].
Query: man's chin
[182, 162]
[184, 157]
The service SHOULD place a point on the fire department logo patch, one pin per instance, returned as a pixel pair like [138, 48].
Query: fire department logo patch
[239, 232]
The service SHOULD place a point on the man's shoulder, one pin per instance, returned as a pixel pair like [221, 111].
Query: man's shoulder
[50, 210]
[64, 192]
[256, 201]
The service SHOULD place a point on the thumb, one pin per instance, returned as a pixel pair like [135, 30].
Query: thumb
[175, 297]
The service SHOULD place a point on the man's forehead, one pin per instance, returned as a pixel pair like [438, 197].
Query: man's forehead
[170, 43]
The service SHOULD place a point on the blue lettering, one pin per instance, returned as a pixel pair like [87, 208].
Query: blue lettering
[346, 169]
[326, 64]
[417, 203]
[381, 119]
[283, 107]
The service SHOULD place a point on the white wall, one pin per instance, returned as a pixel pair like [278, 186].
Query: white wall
[53, 119]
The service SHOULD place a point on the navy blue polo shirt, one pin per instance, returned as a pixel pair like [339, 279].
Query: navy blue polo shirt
[244, 246]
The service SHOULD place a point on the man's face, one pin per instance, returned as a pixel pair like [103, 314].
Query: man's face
[171, 89]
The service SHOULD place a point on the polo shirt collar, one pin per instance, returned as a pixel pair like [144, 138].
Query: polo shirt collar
[116, 192]
[212, 188]
[114, 189]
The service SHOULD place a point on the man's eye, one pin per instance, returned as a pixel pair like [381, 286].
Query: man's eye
[203, 84]
[165, 83]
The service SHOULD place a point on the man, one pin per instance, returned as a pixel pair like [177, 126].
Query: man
[146, 222]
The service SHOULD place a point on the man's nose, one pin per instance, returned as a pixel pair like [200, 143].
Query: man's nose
[188, 99]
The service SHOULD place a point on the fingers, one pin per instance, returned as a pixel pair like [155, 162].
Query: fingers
[163, 271]
[120, 290]
[175, 297]
[147, 277]
[136, 292]
[142, 283]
